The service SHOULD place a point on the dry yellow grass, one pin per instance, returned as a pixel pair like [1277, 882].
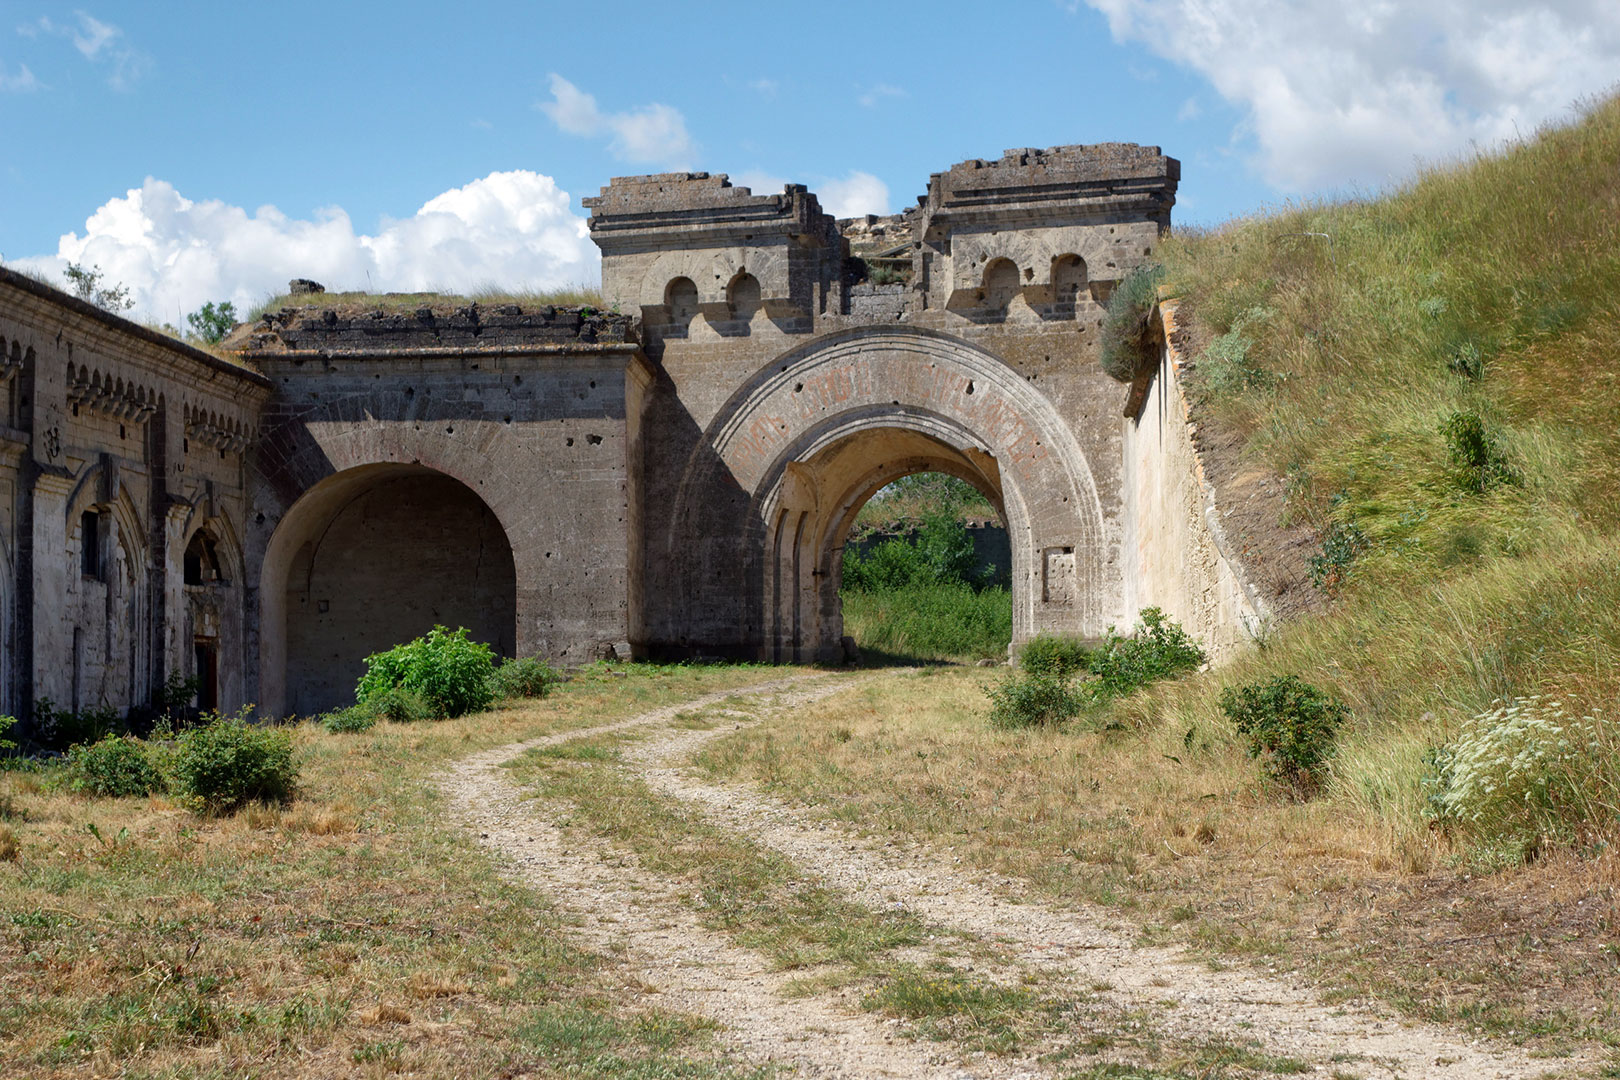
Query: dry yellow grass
[1180, 832]
[345, 933]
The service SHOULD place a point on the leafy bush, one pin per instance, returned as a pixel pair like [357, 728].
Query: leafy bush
[1341, 543]
[1477, 459]
[1522, 773]
[6, 724]
[1054, 654]
[228, 761]
[449, 671]
[941, 553]
[399, 706]
[1123, 665]
[1290, 724]
[1226, 365]
[58, 729]
[350, 721]
[528, 677]
[1126, 351]
[115, 766]
[1031, 699]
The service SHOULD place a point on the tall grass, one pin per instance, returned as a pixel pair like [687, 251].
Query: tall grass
[931, 622]
[1347, 341]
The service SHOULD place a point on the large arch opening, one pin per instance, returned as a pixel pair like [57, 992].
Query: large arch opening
[926, 573]
[814, 512]
[367, 559]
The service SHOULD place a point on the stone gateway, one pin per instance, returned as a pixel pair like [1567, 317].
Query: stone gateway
[674, 477]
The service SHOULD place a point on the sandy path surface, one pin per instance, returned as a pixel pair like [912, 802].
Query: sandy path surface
[646, 920]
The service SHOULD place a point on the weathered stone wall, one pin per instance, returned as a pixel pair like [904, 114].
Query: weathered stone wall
[1176, 552]
[534, 414]
[119, 447]
[780, 417]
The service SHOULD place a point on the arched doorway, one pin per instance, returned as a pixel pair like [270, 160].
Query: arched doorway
[770, 494]
[366, 559]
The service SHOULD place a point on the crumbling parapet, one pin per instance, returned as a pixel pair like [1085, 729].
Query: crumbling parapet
[676, 245]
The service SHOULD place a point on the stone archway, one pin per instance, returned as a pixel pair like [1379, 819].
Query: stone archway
[782, 469]
[370, 557]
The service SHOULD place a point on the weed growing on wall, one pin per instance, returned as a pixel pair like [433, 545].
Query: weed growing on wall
[1126, 349]
[449, 670]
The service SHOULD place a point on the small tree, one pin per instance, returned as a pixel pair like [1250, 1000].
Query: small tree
[209, 323]
[86, 283]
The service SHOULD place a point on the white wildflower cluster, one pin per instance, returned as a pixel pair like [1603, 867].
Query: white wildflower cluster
[1517, 768]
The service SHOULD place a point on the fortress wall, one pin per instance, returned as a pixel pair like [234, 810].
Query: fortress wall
[1176, 555]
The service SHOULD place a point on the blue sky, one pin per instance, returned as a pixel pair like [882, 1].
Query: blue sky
[210, 151]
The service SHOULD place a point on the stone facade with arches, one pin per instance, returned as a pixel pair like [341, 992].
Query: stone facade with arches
[675, 477]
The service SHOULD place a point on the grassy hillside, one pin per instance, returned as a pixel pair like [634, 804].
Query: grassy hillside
[1435, 372]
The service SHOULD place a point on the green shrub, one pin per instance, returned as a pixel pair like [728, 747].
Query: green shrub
[228, 761]
[1341, 544]
[1523, 773]
[115, 766]
[6, 745]
[450, 672]
[528, 677]
[1029, 699]
[1290, 725]
[1126, 347]
[1123, 665]
[59, 729]
[350, 721]
[398, 705]
[941, 553]
[1054, 654]
[1477, 459]
[1226, 366]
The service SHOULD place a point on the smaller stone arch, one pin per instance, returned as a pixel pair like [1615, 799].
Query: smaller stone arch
[681, 302]
[743, 297]
[1001, 284]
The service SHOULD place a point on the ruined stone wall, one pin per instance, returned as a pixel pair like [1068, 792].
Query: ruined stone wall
[119, 446]
[528, 415]
[1177, 556]
[786, 388]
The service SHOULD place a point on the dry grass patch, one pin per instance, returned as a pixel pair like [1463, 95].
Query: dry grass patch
[274, 941]
[1181, 832]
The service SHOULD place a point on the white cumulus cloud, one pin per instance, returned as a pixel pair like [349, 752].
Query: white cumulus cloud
[652, 134]
[856, 194]
[512, 229]
[1342, 94]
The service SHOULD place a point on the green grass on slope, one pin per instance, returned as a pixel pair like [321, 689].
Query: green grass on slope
[1346, 340]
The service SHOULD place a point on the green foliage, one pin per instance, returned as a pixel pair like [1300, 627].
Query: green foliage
[1122, 665]
[1290, 724]
[209, 323]
[350, 721]
[449, 671]
[1226, 366]
[6, 724]
[1476, 454]
[1341, 543]
[1054, 654]
[525, 677]
[1032, 699]
[941, 553]
[1126, 349]
[399, 705]
[229, 761]
[115, 766]
[1523, 773]
[86, 284]
[930, 622]
[55, 730]
[910, 499]
[1467, 360]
